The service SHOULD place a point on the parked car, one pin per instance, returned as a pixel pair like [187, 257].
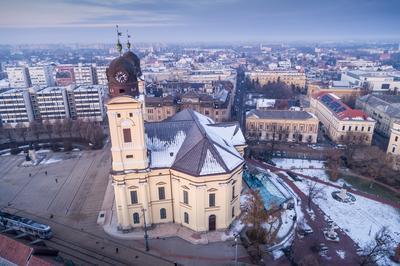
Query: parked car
[269, 161]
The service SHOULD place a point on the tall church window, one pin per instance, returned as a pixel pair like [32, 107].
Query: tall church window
[127, 135]
[185, 197]
[161, 193]
[134, 198]
[186, 217]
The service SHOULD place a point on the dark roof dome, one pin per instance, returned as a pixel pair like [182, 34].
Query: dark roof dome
[122, 75]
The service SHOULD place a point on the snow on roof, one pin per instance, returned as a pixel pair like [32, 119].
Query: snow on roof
[192, 143]
[164, 151]
[211, 165]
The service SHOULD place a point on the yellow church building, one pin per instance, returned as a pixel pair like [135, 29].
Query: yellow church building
[185, 170]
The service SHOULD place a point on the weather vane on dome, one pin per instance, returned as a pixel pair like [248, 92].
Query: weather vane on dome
[119, 45]
[128, 43]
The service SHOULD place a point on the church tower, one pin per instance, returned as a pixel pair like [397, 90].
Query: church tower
[127, 134]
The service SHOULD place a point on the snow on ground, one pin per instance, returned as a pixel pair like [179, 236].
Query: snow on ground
[289, 163]
[362, 219]
[51, 160]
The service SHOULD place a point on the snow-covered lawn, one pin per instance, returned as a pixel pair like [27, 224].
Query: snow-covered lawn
[362, 219]
[289, 163]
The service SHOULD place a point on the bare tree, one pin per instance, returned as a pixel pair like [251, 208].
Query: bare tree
[48, 127]
[67, 126]
[378, 248]
[21, 131]
[262, 220]
[313, 192]
[333, 164]
[58, 128]
[36, 129]
[77, 127]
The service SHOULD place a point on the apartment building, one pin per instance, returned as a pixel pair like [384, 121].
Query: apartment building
[15, 108]
[340, 122]
[84, 75]
[18, 77]
[290, 77]
[385, 109]
[101, 76]
[86, 102]
[52, 103]
[41, 75]
[160, 108]
[282, 125]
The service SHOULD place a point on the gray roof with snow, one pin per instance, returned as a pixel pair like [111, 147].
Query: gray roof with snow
[192, 143]
[389, 104]
[280, 114]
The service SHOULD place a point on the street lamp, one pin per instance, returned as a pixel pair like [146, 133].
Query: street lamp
[146, 237]
[236, 246]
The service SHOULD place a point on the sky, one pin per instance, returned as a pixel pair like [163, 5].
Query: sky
[93, 21]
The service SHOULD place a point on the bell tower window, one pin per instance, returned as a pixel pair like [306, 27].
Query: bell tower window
[127, 135]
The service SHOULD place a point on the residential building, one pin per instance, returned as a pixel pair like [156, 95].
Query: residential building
[15, 108]
[290, 77]
[282, 125]
[216, 106]
[101, 76]
[160, 108]
[52, 103]
[84, 75]
[64, 75]
[41, 75]
[340, 122]
[186, 170]
[343, 90]
[375, 81]
[385, 109]
[86, 102]
[394, 140]
[18, 77]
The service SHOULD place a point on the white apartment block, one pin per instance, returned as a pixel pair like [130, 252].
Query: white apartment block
[52, 103]
[86, 102]
[84, 75]
[377, 81]
[15, 108]
[101, 76]
[41, 75]
[18, 77]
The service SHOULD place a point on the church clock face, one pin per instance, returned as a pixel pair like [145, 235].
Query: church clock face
[121, 77]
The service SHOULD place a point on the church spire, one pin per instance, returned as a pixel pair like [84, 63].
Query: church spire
[128, 43]
[119, 45]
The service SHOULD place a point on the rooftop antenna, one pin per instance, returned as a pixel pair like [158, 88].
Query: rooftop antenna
[119, 45]
[128, 43]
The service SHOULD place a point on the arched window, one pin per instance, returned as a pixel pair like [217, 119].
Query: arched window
[163, 213]
[186, 217]
[136, 219]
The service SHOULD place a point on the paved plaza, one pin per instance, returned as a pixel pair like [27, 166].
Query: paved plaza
[66, 191]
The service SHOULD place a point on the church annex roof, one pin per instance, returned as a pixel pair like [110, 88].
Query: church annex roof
[194, 144]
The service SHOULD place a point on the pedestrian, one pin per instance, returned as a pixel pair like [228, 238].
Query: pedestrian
[45, 172]
[116, 250]
[56, 180]
[30, 174]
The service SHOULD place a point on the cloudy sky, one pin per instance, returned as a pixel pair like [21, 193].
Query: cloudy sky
[89, 21]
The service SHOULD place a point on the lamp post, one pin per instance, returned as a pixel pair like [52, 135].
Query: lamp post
[236, 246]
[146, 237]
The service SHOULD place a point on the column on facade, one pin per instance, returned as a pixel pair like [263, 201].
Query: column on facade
[199, 211]
[121, 195]
[144, 192]
[176, 199]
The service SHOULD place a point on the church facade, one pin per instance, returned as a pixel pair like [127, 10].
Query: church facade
[185, 170]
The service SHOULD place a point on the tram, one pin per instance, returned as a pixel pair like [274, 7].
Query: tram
[28, 226]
